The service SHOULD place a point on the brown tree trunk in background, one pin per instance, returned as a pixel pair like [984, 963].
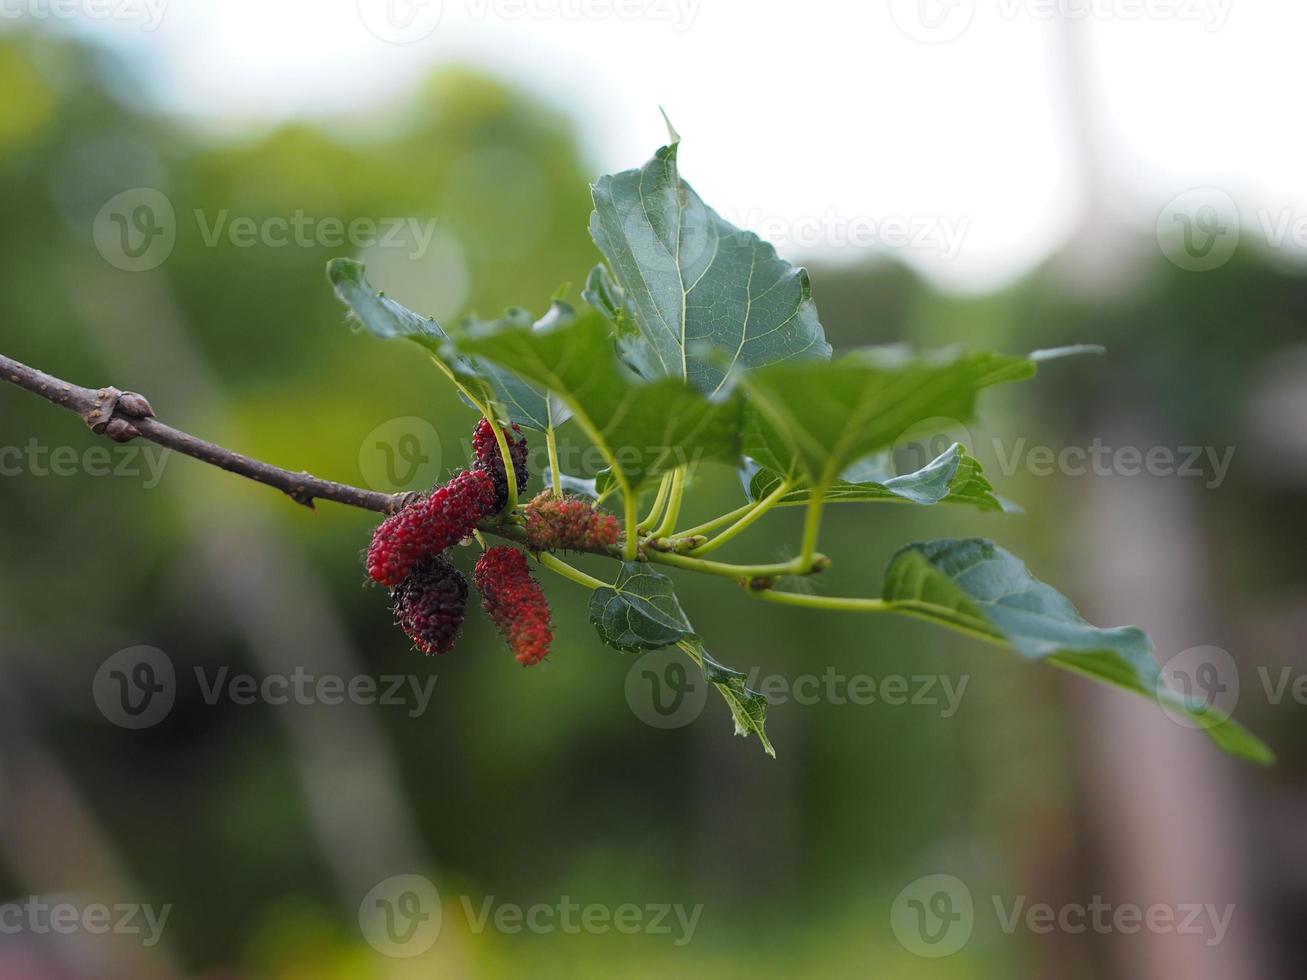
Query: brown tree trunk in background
[1164, 802]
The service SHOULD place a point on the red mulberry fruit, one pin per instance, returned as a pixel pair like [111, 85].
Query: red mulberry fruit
[556, 525]
[430, 604]
[424, 529]
[515, 602]
[491, 460]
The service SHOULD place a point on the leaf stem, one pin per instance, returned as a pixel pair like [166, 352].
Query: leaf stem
[717, 522]
[756, 512]
[551, 443]
[632, 549]
[673, 514]
[841, 603]
[560, 567]
[811, 527]
[655, 512]
[739, 572]
[510, 475]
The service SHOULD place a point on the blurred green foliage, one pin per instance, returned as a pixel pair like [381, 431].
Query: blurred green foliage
[526, 785]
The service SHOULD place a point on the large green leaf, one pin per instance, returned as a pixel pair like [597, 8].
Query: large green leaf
[976, 587]
[376, 311]
[643, 428]
[639, 611]
[518, 401]
[521, 401]
[816, 419]
[692, 283]
[954, 477]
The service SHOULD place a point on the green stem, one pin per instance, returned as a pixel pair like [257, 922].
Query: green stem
[551, 443]
[825, 602]
[717, 522]
[744, 523]
[795, 567]
[477, 403]
[632, 551]
[811, 528]
[673, 514]
[510, 504]
[659, 502]
[562, 568]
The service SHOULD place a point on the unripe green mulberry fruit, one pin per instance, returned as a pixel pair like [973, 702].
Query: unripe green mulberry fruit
[554, 524]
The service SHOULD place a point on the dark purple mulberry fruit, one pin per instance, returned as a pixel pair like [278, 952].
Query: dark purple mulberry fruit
[430, 604]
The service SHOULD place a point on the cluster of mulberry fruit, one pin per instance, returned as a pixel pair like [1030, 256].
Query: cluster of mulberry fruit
[428, 594]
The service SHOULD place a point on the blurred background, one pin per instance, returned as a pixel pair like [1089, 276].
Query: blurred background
[173, 179]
